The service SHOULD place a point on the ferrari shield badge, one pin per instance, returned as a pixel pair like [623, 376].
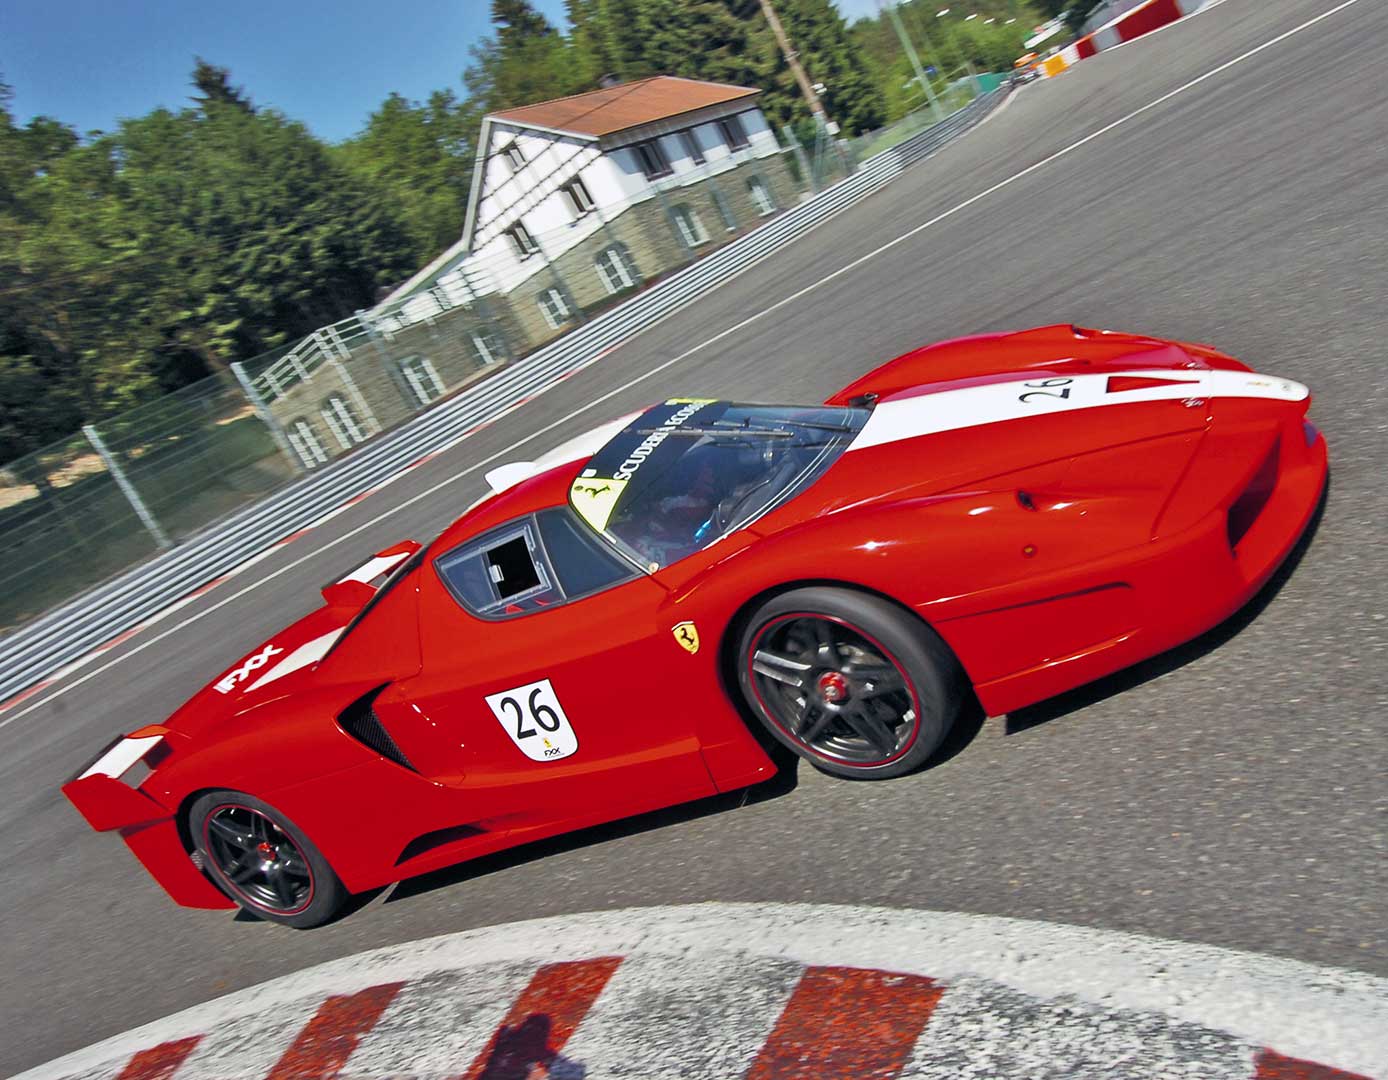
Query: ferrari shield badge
[687, 634]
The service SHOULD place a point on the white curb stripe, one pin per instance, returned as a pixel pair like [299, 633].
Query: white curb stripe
[438, 1025]
[669, 1018]
[983, 1029]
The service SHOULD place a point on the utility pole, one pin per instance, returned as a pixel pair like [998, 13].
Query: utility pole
[793, 59]
[889, 6]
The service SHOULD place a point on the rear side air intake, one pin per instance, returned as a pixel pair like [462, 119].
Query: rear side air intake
[1250, 503]
[359, 720]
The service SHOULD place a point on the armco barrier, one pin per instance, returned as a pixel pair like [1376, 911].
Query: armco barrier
[75, 629]
[1135, 21]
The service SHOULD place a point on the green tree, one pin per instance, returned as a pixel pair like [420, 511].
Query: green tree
[420, 159]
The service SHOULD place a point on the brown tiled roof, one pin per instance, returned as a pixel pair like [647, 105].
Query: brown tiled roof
[616, 108]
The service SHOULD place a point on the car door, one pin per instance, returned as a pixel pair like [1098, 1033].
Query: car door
[544, 658]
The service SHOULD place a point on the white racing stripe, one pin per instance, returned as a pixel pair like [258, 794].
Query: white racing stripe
[1041, 394]
[374, 568]
[310, 652]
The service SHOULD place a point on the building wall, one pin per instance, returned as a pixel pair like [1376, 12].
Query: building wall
[612, 176]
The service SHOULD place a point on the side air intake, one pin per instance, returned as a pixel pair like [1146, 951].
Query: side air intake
[359, 720]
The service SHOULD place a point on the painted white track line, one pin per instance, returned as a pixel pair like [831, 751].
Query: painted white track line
[17, 713]
[705, 990]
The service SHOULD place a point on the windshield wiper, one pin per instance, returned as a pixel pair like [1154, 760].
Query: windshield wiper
[719, 432]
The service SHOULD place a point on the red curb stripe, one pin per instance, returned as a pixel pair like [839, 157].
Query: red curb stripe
[119, 639]
[24, 695]
[328, 1039]
[543, 1018]
[847, 1022]
[159, 1062]
[292, 537]
[208, 587]
[1270, 1065]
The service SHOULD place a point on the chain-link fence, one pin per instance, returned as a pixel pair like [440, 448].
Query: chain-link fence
[80, 510]
[75, 513]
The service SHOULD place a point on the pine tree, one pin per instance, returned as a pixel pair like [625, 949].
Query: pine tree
[214, 85]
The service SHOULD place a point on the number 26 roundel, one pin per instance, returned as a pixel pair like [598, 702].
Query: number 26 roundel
[532, 716]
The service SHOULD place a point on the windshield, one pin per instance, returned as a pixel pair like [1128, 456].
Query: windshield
[688, 472]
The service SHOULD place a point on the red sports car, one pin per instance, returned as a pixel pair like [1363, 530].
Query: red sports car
[625, 623]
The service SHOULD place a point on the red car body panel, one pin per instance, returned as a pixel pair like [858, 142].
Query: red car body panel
[1047, 548]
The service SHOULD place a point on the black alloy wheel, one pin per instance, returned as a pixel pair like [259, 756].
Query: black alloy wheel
[262, 861]
[851, 683]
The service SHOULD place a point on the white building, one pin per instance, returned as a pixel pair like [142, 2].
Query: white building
[557, 182]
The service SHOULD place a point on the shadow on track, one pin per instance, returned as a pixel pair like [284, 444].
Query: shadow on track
[1121, 681]
[782, 783]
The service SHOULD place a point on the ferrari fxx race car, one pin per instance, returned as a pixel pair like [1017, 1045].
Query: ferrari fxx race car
[631, 620]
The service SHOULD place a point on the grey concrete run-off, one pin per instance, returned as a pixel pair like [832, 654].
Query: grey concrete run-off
[1230, 793]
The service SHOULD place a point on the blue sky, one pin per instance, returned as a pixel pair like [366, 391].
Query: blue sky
[90, 62]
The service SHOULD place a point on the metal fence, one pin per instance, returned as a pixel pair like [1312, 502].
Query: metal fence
[210, 449]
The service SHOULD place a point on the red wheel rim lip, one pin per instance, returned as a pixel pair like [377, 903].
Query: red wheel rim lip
[887, 654]
[241, 894]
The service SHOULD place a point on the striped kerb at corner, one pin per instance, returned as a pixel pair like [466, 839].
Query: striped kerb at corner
[847, 1022]
[328, 1039]
[574, 1018]
[543, 1018]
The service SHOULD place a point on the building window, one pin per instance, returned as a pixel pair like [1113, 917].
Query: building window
[580, 202]
[691, 146]
[761, 196]
[553, 307]
[514, 158]
[691, 229]
[487, 347]
[615, 269]
[422, 379]
[652, 159]
[305, 442]
[342, 421]
[521, 240]
[733, 133]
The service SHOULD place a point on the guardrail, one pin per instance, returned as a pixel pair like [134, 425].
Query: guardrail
[71, 631]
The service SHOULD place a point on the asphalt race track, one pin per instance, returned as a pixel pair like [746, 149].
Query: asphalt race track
[1231, 793]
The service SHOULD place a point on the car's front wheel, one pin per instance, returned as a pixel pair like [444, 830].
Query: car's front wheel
[263, 861]
[850, 682]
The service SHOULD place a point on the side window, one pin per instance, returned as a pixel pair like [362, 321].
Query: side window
[342, 421]
[583, 562]
[422, 379]
[530, 565]
[305, 442]
[503, 573]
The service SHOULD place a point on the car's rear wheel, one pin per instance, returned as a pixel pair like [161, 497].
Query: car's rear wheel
[848, 681]
[263, 861]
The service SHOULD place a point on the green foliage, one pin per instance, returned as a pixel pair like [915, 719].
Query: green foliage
[144, 259]
[946, 43]
[418, 159]
[135, 262]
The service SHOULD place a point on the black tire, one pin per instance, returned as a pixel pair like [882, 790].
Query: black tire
[851, 683]
[263, 861]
